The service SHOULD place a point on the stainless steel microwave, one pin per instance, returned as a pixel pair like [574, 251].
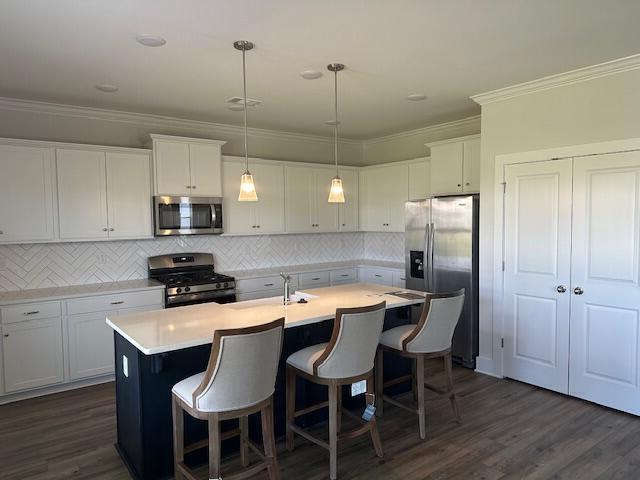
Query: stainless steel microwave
[187, 215]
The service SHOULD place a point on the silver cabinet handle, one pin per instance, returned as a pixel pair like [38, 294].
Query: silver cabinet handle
[316, 278]
[344, 274]
[561, 289]
[268, 284]
[578, 291]
[33, 312]
[119, 302]
[379, 276]
[105, 229]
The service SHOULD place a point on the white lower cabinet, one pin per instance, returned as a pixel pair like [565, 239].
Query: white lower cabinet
[90, 345]
[313, 279]
[382, 276]
[343, 276]
[32, 354]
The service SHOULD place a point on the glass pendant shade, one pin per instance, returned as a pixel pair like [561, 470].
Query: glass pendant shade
[247, 188]
[336, 194]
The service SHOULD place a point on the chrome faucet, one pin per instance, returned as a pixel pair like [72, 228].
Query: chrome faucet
[287, 292]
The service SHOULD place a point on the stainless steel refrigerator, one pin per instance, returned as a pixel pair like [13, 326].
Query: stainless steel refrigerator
[441, 255]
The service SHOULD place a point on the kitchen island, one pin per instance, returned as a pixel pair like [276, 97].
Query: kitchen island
[155, 350]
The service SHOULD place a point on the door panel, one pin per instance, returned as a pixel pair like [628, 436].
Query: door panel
[537, 262]
[171, 160]
[238, 216]
[204, 162]
[326, 214]
[269, 210]
[605, 353]
[299, 191]
[348, 211]
[396, 193]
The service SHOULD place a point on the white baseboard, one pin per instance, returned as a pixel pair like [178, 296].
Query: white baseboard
[63, 387]
[486, 366]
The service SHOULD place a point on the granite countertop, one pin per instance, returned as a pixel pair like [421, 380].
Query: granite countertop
[176, 328]
[312, 267]
[61, 293]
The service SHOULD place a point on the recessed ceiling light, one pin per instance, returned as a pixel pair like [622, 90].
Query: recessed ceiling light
[416, 97]
[150, 40]
[107, 87]
[310, 74]
[331, 123]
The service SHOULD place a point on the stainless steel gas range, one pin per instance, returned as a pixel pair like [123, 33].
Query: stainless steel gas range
[190, 278]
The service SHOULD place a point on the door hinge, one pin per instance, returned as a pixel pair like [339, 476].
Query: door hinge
[502, 343]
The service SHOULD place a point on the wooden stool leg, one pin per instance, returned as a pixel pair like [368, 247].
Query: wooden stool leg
[414, 381]
[178, 437]
[244, 432]
[379, 369]
[452, 394]
[333, 430]
[214, 446]
[291, 405]
[420, 382]
[375, 436]
[269, 440]
[339, 415]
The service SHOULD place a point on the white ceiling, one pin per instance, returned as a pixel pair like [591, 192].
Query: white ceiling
[448, 49]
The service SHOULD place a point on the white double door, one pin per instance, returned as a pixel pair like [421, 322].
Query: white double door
[571, 279]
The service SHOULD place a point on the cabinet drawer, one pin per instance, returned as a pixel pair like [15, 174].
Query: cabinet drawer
[30, 311]
[379, 276]
[118, 301]
[314, 279]
[241, 297]
[271, 282]
[345, 275]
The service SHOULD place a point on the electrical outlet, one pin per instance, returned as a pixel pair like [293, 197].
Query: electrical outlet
[125, 366]
[358, 388]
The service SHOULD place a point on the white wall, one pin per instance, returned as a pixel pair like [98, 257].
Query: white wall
[599, 109]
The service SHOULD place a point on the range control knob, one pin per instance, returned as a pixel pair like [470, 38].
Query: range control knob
[178, 290]
[217, 285]
[187, 289]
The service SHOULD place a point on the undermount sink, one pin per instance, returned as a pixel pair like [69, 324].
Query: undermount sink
[271, 301]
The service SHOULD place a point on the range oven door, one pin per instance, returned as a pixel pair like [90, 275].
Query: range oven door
[187, 215]
[218, 296]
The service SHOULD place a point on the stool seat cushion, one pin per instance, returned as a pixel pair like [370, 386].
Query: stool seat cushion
[394, 337]
[185, 388]
[304, 359]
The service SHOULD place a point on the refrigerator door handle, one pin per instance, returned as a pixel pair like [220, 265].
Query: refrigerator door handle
[430, 257]
[425, 261]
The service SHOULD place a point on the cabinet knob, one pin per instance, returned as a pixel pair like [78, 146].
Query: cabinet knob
[105, 229]
[188, 186]
[112, 229]
[193, 186]
[344, 224]
[561, 289]
[5, 335]
[253, 226]
[467, 184]
[459, 184]
[578, 291]
[1, 232]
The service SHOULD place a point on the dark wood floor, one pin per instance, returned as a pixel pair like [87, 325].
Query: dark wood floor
[509, 430]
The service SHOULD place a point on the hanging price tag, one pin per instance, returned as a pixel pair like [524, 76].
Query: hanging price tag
[370, 410]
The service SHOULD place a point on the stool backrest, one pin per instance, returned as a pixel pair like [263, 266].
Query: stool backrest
[352, 348]
[438, 321]
[242, 368]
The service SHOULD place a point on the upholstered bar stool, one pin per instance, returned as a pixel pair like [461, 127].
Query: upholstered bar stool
[239, 380]
[429, 338]
[347, 358]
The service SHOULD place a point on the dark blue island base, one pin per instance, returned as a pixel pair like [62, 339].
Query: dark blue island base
[143, 398]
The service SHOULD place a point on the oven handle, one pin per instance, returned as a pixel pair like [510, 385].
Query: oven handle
[213, 215]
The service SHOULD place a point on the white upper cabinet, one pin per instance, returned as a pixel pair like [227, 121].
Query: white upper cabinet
[348, 211]
[26, 194]
[324, 214]
[307, 192]
[187, 166]
[129, 195]
[261, 217]
[455, 166]
[103, 195]
[383, 193]
[419, 179]
[82, 194]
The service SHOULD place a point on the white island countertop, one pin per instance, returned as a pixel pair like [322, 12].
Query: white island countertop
[171, 329]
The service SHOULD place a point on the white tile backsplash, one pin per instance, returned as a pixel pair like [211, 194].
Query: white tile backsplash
[62, 264]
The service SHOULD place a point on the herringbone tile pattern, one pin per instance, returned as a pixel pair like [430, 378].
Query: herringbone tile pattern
[61, 264]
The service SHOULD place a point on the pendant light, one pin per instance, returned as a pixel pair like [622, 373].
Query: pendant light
[336, 194]
[247, 187]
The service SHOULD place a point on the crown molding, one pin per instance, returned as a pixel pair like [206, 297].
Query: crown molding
[560, 80]
[469, 122]
[159, 121]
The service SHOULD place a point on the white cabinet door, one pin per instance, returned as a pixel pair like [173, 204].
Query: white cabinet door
[172, 171]
[605, 317]
[348, 211]
[446, 168]
[471, 166]
[82, 203]
[419, 180]
[299, 195]
[537, 269]
[26, 201]
[129, 195]
[373, 205]
[90, 345]
[325, 214]
[238, 216]
[395, 193]
[205, 166]
[268, 211]
[378, 276]
[32, 354]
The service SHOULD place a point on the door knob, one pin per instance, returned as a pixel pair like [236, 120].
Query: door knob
[578, 291]
[561, 289]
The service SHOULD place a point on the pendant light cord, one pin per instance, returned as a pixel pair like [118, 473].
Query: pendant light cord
[244, 86]
[335, 126]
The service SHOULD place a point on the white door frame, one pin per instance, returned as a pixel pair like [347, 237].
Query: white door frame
[573, 151]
